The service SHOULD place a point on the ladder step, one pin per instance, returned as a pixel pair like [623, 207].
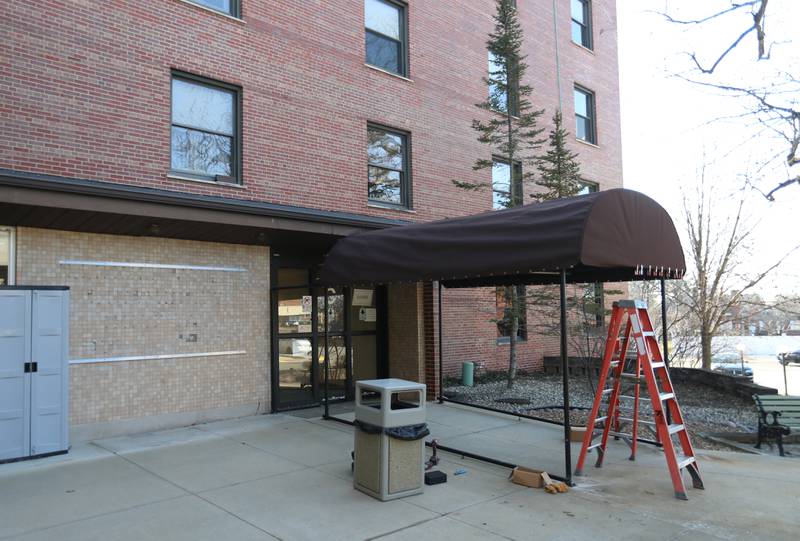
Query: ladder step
[674, 429]
[607, 391]
[600, 419]
[666, 396]
[685, 462]
[627, 396]
[620, 434]
[649, 333]
[658, 365]
[640, 421]
[594, 445]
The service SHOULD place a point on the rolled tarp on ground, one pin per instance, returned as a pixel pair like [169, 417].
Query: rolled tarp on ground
[614, 235]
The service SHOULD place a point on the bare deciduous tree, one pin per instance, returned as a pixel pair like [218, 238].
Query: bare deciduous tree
[774, 105]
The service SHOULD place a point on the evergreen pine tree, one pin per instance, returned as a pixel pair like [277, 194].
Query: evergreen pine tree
[512, 133]
[559, 170]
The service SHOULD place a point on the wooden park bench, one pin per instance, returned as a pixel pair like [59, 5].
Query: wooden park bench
[785, 418]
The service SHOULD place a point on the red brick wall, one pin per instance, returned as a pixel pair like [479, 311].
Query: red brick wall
[85, 92]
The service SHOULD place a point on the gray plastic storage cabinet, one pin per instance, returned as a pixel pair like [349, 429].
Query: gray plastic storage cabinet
[389, 438]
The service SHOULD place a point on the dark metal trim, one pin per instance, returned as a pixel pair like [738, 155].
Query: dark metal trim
[36, 288]
[441, 349]
[565, 377]
[75, 186]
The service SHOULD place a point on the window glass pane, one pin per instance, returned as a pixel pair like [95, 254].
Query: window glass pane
[384, 185]
[294, 364]
[202, 107]
[501, 176]
[294, 311]
[383, 53]
[292, 277]
[498, 96]
[221, 5]
[581, 128]
[588, 188]
[382, 17]
[200, 152]
[337, 369]
[577, 33]
[577, 11]
[385, 149]
[501, 200]
[5, 255]
[335, 311]
[581, 103]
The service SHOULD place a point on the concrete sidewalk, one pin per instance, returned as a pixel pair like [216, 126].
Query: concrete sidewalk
[280, 476]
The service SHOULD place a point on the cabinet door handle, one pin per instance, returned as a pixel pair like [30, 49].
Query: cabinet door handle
[27, 368]
[34, 367]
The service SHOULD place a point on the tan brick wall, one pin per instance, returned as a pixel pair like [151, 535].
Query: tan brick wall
[120, 312]
[406, 332]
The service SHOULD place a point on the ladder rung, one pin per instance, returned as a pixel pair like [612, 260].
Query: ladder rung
[685, 462]
[649, 333]
[674, 429]
[594, 445]
[639, 421]
[600, 419]
[629, 397]
[606, 391]
[658, 365]
[666, 396]
[620, 434]
[614, 364]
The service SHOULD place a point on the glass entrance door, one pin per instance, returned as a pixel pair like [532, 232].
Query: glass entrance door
[355, 334]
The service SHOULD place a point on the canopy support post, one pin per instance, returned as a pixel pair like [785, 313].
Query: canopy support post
[441, 347]
[664, 339]
[327, 356]
[565, 378]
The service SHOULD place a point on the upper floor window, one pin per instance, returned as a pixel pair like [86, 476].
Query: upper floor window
[230, 7]
[589, 187]
[6, 256]
[205, 129]
[502, 96]
[501, 184]
[582, 23]
[386, 35]
[388, 167]
[585, 116]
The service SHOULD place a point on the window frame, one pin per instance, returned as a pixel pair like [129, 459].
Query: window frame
[586, 28]
[405, 173]
[590, 187]
[12, 253]
[516, 179]
[522, 332]
[403, 61]
[236, 139]
[235, 11]
[591, 109]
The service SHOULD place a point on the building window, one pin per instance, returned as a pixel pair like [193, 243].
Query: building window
[504, 315]
[229, 7]
[589, 187]
[582, 23]
[386, 35]
[585, 123]
[501, 184]
[206, 129]
[388, 167]
[502, 97]
[6, 256]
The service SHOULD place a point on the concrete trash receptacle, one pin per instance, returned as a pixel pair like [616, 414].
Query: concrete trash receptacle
[390, 435]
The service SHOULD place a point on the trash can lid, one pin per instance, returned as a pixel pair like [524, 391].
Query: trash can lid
[390, 384]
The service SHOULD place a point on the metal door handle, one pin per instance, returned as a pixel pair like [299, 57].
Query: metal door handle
[34, 367]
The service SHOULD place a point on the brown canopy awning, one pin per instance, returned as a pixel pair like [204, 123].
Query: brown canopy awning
[609, 236]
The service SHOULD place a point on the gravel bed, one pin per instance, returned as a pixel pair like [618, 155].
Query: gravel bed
[704, 409]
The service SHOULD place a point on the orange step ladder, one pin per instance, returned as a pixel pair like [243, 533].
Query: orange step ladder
[648, 368]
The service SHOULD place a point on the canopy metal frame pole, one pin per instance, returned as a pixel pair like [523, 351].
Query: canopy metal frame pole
[565, 378]
[441, 348]
[664, 337]
[327, 356]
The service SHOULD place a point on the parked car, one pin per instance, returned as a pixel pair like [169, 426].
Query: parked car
[731, 363]
[789, 357]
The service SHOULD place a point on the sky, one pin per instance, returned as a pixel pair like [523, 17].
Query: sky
[672, 127]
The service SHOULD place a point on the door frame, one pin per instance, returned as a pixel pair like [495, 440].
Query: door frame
[316, 337]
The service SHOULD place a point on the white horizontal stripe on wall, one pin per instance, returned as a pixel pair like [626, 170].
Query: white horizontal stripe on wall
[156, 357]
[149, 265]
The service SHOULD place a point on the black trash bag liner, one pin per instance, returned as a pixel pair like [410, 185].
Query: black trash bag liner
[368, 428]
[408, 432]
